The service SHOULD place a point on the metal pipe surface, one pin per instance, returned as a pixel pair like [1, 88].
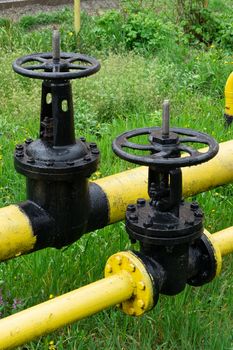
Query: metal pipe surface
[224, 240]
[124, 188]
[16, 234]
[44, 318]
[77, 16]
[109, 198]
[229, 97]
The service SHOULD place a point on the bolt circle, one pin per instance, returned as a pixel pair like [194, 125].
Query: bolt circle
[142, 295]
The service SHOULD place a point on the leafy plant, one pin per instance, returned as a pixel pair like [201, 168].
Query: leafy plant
[144, 31]
[202, 25]
[57, 17]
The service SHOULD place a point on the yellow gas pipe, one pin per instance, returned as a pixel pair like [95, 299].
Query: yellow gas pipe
[229, 97]
[124, 188]
[16, 234]
[126, 282]
[77, 16]
[223, 240]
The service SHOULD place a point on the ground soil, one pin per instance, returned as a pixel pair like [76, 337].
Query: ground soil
[91, 6]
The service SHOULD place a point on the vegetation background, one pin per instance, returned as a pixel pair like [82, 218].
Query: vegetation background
[149, 50]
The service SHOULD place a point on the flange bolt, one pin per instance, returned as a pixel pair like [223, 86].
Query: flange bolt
[133, 217]
[141, 202]
[131, 208]
[28, 141]
[194, 206]
[148, 224]
[93, 145]
[95, 151]
[19, 147]
[87, 158]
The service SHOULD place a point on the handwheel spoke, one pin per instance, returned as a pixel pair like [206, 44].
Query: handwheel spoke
[35, 66]
[136, 146]
[41, 59]
[35, 59]
[77, 66]
[194, 139]
[161, 154]
[191, 151]
[73, 59]
[188, 139]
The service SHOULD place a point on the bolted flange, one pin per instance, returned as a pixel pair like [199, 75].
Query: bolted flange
[143, 298]
[168, 229]
[57, 166]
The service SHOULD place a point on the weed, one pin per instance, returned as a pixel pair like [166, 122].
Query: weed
[127, 93]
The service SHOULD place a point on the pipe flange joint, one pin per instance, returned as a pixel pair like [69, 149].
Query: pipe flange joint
[211, 262]
[142, 299]
[216, 252]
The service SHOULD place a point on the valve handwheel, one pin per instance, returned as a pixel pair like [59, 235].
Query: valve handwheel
[166, 145]
[56, 65]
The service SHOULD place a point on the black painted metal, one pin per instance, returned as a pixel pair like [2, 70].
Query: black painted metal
[43, 225]
[228, 120]
[165, 152]
[57, 165]
[202, 262]
[42, 66]
[99, 208]
[169, 230]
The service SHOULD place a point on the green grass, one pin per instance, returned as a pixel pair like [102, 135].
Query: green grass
[127, 93]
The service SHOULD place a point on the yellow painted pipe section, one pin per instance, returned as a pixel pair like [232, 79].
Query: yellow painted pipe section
[229, 96]
[222, 243]
[224, 240]
[44, 318]
[16, 235]
[77, 16]
[124, 188]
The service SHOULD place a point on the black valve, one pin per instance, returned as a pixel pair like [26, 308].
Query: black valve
[57, 165]
[166, 226]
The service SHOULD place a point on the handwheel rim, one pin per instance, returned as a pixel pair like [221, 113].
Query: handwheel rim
[18, 66]
[157, 159]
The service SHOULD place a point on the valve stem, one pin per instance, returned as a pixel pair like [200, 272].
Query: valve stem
[166, 119]
[56, 46]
